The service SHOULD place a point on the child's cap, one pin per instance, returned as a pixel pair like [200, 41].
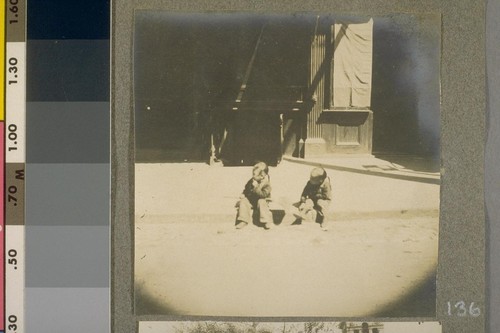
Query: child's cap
[318, 173]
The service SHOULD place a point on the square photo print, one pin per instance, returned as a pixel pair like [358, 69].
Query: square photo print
[286, 165]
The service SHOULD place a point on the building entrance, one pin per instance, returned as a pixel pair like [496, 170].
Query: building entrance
[218, 85]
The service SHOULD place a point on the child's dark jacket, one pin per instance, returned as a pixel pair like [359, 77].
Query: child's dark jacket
[261, 191]
[321, 191]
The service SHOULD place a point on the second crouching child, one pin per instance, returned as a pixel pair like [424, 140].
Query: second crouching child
[316, 197]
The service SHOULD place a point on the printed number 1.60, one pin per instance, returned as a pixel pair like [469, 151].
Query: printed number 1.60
[14, 10]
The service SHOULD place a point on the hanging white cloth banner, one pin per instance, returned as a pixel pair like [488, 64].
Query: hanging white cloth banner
[352, 64]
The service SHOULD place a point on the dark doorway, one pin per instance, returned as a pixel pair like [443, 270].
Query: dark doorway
[254, 137]
[191, 69]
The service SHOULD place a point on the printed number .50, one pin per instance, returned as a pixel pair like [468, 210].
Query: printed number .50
[462, 311]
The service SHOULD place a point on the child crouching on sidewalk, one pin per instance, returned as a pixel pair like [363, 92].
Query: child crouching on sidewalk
[254, 196]
[316, 198]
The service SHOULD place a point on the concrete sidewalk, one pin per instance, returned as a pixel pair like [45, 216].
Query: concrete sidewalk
[362, 187]
[403, 167]
[378, 258]
[359, 268]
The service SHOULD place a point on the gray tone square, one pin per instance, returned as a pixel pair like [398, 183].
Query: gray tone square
[67, 194]
[67, 70]
[67, 257]
[14, 185]
[75, 310]
[67, 132]
[15, 22]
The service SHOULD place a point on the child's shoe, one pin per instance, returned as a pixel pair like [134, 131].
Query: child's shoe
[298, 214]
[301, 214]
[241, 224]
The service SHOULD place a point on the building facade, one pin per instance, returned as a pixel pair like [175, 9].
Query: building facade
[241, 88]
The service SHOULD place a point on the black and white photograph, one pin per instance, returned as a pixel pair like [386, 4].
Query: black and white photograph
[289, 327]
[286, 165]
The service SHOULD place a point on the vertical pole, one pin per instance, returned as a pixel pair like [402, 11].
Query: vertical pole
[317, 82]
[315, 144]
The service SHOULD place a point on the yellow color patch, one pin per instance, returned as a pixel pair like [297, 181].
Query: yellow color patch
[2, 59]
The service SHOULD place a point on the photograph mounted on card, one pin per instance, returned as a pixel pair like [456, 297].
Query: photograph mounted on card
[286, 165]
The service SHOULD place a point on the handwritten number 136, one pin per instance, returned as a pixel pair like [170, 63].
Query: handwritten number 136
[460, 309]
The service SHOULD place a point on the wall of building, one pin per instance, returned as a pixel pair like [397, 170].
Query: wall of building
[184, 66]
[406, 86]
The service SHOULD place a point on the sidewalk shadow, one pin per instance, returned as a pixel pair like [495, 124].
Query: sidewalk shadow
[419, 165]
[371, 170]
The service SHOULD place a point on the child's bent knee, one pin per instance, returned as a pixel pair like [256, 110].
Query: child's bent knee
[262, 202]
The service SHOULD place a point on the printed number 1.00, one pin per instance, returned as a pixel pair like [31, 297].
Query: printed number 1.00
[12, 136]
